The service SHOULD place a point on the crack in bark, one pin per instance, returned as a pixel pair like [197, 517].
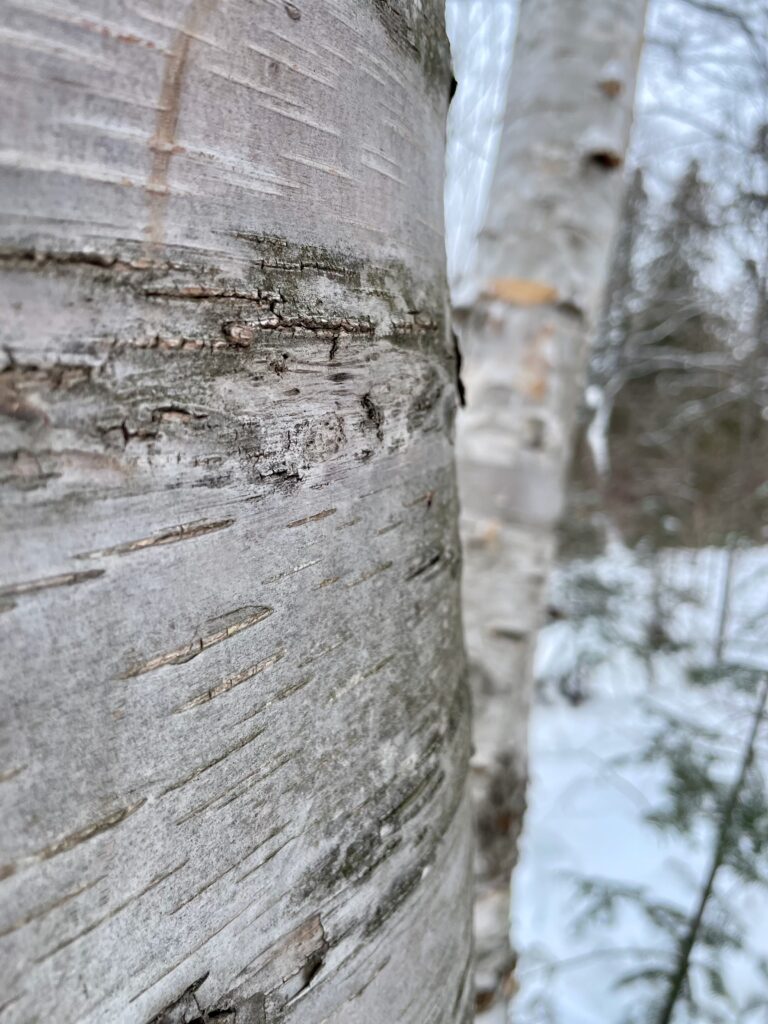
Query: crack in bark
[67, 579]
[229, 683]
[240, 786]
[201, 769]
[73, 839]
[180, 655]
[311, 519]
[279, 696]
[374, 414]
[216, 878]
[40, 912]
[174, 534]
[112, 913]
[370, 573]
[428, 563]
[41, 258]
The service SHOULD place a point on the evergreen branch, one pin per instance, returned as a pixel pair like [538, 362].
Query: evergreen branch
[688, 941]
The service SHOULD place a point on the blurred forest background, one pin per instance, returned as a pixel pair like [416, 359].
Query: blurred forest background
[642, 891]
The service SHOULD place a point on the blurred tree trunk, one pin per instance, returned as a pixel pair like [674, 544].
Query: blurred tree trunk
[541, 269]
[236, 734]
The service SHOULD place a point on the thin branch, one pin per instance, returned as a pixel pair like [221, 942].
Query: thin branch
[688, 940]
[550, 966]
[722, 11]
[699, 124]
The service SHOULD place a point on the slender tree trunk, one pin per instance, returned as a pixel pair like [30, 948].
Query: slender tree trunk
[541, 269]
[235, 735]
[724, 612]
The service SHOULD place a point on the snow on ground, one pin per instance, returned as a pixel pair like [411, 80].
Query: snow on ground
[586, 814]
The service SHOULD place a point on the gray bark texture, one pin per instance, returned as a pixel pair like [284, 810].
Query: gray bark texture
[542, 262]
[234, 738]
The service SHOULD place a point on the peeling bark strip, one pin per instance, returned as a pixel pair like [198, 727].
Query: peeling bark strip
[235, 741]
[541, 263]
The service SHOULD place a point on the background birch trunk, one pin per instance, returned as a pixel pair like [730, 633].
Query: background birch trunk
[541, 268]
[235, 735]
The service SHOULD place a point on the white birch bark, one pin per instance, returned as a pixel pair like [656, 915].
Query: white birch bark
[235, 730]
[540, 272]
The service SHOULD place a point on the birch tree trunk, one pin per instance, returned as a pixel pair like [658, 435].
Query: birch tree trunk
[235, 729]
[541, 268]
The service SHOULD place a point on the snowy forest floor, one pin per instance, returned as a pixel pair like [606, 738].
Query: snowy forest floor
[630, 761]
